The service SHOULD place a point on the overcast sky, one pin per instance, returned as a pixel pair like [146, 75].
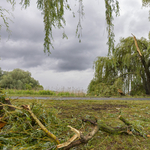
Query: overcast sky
[70, 64]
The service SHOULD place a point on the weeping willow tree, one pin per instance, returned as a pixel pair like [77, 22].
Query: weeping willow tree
[125, 69]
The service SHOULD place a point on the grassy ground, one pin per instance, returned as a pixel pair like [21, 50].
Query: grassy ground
[70, 112]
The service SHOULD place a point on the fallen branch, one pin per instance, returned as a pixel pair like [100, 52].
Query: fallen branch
[129, 129]
[120, 92]
[72, 142]
[132, 129]
[76, 136]
[27, 107]
[7, 101]
[8, 105]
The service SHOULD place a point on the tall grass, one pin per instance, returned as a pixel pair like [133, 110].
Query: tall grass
[13, 92]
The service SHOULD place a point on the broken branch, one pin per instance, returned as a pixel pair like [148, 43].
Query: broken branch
[128, 129]
[137, 47]
[27, 107]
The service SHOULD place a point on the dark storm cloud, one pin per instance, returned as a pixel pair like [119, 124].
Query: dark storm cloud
[75, 57]
[28, 53]
[72, 55]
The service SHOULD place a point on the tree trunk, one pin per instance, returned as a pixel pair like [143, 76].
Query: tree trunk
[145, 65]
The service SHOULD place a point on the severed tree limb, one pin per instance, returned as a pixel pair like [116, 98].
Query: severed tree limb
[76, 136]
[79, 138]
[82, 139]
[129, 129]
[27, 107]
[137, 47]
[132, 129]
[15, 107]
[7, 101]
[124, 120]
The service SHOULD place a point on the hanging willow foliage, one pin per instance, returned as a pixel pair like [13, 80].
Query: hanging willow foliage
[112, 6]
[122, 70]
[53, 17]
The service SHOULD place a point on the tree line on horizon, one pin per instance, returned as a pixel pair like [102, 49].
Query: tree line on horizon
[18, 79]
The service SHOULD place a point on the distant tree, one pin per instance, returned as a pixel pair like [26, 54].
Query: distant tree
[2, 73]
[125, 69]
[18, 79]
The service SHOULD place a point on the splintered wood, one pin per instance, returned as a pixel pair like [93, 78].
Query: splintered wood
[76, 136]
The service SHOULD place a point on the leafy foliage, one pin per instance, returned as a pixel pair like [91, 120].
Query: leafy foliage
[22, 131]
[146, 3]
[111, 6]
[5, 19]
[18, 79]
[122, 70]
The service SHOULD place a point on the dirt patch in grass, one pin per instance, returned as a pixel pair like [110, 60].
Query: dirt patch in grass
[108, 106]
[83, 109]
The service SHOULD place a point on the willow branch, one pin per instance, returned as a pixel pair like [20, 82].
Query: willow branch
[10, 106]
[132, 129]
[129, 129]
[27, 107]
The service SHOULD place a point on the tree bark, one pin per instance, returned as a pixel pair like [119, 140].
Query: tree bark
[146, 67]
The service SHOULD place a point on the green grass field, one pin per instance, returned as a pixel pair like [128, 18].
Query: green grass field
[57, 114]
